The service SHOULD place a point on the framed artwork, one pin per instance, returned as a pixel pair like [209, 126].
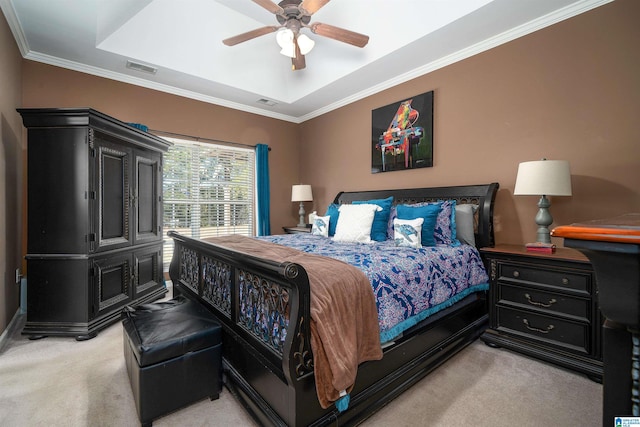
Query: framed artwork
[402, 135]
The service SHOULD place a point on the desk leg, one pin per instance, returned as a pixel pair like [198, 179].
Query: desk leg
[635, 373]
[617, 381]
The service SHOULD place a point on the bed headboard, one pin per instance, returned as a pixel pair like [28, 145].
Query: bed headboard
[483, 195]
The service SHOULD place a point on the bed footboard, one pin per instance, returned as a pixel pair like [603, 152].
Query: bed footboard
[264, 307]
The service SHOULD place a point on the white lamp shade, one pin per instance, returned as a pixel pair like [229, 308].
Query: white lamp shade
[543, 178]
[284, 37]
[289, 51]
[301, 193]
[305, 44]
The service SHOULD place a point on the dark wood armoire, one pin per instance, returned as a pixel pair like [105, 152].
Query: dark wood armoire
[94, 240]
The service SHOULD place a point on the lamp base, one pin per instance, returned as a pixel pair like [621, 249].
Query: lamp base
[301, 222]
[544, 220]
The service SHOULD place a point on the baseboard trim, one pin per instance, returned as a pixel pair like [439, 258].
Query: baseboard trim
[14, 326]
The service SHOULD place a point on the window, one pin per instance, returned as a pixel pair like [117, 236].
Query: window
[208, 190]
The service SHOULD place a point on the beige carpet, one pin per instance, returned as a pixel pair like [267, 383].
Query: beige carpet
[61, 382]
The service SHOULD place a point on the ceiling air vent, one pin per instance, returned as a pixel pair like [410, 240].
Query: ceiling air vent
[268, 102]
[141, 67]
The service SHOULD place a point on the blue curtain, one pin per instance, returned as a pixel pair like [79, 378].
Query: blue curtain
[262, 172]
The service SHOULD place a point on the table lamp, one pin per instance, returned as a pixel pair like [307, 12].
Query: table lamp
[301, 193]
[543, 178]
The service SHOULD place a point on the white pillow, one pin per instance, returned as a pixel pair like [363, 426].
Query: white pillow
[465, 232]
[354, 223]
[408, 232]
[320, 226]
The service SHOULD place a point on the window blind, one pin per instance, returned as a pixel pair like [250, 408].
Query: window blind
[208, 190]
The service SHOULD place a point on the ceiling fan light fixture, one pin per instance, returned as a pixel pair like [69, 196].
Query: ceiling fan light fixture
[293, 16]
[284, 37]
[289, 51]
[305, 44]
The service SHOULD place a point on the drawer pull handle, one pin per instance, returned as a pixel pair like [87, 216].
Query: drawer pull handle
[540, 304]
[516, 273]
[531, 328]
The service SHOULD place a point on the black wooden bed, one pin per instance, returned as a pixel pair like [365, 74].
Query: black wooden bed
[276, 383]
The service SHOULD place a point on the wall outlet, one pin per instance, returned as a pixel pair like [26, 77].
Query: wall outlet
[18, 275]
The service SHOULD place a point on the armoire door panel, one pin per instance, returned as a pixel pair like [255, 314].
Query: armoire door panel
[113, 203]
[113, 182]
[112, 282]
[147, 198]
[148, 270]
[57, 191]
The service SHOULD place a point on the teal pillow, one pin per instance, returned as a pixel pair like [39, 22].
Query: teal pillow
[430, 215]
[381, 218]
[333, 213]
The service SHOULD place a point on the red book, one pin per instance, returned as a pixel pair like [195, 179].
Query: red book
[547, 248]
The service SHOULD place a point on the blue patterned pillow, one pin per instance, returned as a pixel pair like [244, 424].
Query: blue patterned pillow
[333, 212]
[445, 229]
[379, 226]
[408, 232]
[430, 214]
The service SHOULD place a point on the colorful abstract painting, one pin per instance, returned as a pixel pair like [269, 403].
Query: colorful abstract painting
[402, 135]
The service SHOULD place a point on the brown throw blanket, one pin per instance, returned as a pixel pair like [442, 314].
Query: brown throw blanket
[344, 319]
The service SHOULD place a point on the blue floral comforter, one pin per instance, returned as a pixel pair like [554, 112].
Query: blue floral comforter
[409, 284]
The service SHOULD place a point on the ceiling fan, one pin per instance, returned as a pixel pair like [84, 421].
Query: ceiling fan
[293, 15]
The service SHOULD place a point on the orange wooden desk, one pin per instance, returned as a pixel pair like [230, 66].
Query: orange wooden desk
[613, 247]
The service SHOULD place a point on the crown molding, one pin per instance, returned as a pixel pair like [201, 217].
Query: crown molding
[14, 24]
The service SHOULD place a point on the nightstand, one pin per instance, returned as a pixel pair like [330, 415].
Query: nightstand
[544, 306]
[295, 229]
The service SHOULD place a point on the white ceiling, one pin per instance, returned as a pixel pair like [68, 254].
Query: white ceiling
[183, 40]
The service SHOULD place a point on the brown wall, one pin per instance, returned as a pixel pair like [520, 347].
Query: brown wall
[570, 91]
[11, 171]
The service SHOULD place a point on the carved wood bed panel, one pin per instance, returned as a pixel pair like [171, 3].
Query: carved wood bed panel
[270, 368]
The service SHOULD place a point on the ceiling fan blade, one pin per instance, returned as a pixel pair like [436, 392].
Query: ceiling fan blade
[270, 6]
[310, 7]
[232, 41]
[298, 62]
[340, 34]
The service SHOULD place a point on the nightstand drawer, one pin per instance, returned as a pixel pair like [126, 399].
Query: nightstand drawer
[549, 277]
[540, 300]
[551, 330]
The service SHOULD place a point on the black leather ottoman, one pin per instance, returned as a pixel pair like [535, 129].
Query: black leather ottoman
[173, 354]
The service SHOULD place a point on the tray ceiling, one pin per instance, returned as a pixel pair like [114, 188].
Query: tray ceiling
[182, 40]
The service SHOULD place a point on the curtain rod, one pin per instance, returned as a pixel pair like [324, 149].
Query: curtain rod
[197, 138]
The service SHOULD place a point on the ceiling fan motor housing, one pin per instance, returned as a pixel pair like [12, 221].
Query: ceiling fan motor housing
[292, 18]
